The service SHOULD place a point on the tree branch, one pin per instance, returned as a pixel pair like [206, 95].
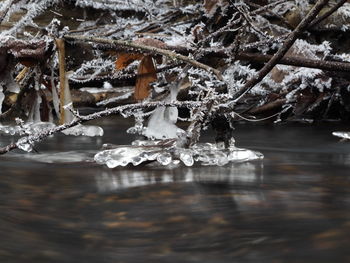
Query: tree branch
[297, 61]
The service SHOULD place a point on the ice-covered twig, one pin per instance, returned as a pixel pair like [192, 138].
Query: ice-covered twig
[31, 139]
[129, 44]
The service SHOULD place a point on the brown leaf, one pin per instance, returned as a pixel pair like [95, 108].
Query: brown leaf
[125, 59]
[146, 74]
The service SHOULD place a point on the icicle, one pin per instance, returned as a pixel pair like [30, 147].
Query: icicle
[37, 117]
[34, 112]
[2, 97]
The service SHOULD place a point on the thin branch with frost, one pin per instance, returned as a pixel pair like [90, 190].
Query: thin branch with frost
[297, 61]
[35, 8]
[128, 44]
[31, 139]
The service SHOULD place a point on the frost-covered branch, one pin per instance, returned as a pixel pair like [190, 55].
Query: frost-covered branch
[142, 47]
[28, 141]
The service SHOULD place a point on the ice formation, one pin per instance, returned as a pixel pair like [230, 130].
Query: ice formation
[161, 124]
[84, 130]
[167, 152]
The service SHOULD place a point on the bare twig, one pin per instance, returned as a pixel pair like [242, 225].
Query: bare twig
[146, 48]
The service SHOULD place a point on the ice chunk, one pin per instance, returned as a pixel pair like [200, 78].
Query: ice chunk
[166, 152]
[164, 158]
[187, 158]
[24, 145]
[243, 155]
[125, 155]
[341, 134]
[85, 130]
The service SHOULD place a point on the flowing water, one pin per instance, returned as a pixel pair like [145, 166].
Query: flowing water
[57, 205]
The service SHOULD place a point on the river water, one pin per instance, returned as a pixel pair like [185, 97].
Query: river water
[58, 206]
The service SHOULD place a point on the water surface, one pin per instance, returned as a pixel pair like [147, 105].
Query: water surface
[59, 206]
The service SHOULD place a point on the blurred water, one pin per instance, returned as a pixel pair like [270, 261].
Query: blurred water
[59, 206]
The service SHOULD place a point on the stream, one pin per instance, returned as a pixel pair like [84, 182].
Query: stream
[57, 205]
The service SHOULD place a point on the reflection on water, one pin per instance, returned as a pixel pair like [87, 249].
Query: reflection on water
[245, 173]
[293, 206]
[56, 157]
